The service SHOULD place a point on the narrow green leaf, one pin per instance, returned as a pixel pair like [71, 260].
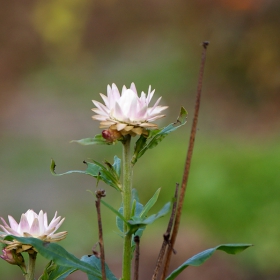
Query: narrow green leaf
[117, 165]
[156, 136]
[150, 204]
[201, 257]
[133, 208]
[96, 170]
[119, 221]
[58, 254]
[97, 140]
[114, 211]
[135, 195]
[137, 221]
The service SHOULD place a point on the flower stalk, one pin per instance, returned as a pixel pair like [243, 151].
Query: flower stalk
[126, 199]
[31, 266]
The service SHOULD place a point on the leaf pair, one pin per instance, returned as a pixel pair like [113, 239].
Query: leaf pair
[110, 173]
[139, 219]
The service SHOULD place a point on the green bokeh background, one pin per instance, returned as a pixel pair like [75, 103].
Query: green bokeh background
[56, 56]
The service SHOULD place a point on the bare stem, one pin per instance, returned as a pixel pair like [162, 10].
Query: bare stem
[126, 199]
[137, 255]
[99, 195]
[166, 235]
[31, 265]
[187, 164]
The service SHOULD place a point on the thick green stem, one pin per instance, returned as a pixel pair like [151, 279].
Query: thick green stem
[31, 266]
[127, 187]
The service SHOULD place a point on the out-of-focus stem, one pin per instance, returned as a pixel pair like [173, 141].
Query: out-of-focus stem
[187, 164]
[166, 235]
[99, 195]
[137, 257]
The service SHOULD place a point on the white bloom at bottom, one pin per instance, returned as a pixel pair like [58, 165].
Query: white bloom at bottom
[32, 225]
[127, 112]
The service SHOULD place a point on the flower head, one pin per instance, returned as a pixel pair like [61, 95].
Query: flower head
[127, 113]
[32, 225]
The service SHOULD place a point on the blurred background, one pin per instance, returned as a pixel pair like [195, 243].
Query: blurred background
[58, 55]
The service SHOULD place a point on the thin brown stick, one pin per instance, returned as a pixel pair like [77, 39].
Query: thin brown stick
[166, 235]
[137, 257]
[187, 164]
[99, 195]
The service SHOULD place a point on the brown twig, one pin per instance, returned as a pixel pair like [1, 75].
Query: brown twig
[187, 164]
[166, 235]
[137, 255]
[99, 195]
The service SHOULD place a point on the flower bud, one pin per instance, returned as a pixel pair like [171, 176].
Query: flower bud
[111, 135]
[12, 257]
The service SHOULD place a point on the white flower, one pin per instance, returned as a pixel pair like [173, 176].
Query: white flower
[126, 112]
[32, 225]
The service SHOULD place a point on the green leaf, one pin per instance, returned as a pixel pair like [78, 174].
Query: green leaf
[138, 222]
[117, 166]
[114, 211]
[150, 204]
[135, 195]
[60, 272]
[97, 140]
[94, 261]
[120, 221]
[58, 254]
[156, 136]
[201, 257]
[96, 170]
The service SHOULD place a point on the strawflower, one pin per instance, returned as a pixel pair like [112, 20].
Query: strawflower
[31, 225]
[127, 113]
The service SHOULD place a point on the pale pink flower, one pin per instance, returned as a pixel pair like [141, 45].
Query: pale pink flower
[127, 112]
[32, 225]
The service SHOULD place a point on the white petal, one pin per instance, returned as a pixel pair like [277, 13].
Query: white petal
[35, 228]
[101, 106]
[13, 223]
[115, 93]
[23, 225]
[150, 95]
[99, 118]
[105, 99]
[9, 230]
[133, 87]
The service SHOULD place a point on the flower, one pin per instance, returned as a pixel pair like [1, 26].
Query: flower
[12, 257]
[126, 112]
[32, 225]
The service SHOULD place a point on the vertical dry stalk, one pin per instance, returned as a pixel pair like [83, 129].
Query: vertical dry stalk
[187, 164]
[137, 257]
[99, 195]
[166, 235]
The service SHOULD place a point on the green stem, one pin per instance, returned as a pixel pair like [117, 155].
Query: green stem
[127, 187]
[31, 266]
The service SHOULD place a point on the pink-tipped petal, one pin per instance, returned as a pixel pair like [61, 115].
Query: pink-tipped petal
[24, 225]
[13, 223]
[35, 228]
